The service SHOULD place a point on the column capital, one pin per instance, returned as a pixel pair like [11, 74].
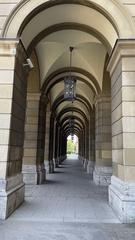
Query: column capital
[102, 98]
[122, 49]
[33, 96]
[8, 47]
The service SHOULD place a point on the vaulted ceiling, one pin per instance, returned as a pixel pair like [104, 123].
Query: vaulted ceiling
[50, 30]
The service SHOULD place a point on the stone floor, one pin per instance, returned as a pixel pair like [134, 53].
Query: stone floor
[68, 207]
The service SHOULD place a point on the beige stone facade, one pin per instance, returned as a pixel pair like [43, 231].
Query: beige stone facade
[35, 117]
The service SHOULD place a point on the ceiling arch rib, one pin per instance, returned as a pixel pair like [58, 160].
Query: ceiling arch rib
[89, 56]
[46, 34]
[73, 117]
[74, 105]
[69, 14]
[53, 82]
[75, 120]
[66, 70]
[83, 95]
[72, 109]
[76, 132]
[78, 98]
[75, 126]
[25, 11]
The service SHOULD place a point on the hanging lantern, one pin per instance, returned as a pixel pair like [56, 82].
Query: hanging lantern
[72, 137]
[72, 131]
[69, 89]
[71, 123]
[70, 83]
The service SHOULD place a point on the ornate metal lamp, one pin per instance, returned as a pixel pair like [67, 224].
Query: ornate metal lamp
[72, 131]
[71, 122]
[70, 83]
[71, 125]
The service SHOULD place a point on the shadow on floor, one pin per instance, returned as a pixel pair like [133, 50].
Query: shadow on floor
[52, 182]
[57, 172]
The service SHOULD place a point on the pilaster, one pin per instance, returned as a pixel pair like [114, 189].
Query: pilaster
[13, 87]
[47, 135]
[29, 169]
[122, 188]
[103, 165]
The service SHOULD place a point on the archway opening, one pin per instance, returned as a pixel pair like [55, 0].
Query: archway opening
[72, 146]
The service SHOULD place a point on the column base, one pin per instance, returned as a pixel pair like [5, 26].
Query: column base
[90, 167]
[102, 175]
[41, 174]
[51, 166]
[33, 175]
[29, 174]
[56, 162]
[122, 199]
[61, 159]
[85, 163]
[46, 164]
[11, 195]
[81, 159]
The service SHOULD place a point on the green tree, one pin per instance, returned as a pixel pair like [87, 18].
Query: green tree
[70, 146]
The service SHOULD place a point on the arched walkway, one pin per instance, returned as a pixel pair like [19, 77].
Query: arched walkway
[69, 195]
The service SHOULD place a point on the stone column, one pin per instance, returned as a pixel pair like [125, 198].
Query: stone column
[63, 149]
[41, 172]
[86, 159]
[51, 144]
[54, 139]
[91, 163]
[60, 145]
[82, 147]
[57, 146]
[30, 174]
[103, 165]
[47, 136]
[13, 88]
[122, 188]
[79, 146]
